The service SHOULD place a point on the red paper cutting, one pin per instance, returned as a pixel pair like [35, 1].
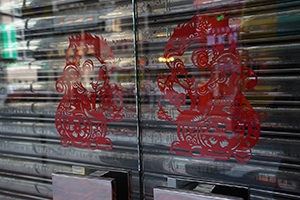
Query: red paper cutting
[214, 119]
[83, 113]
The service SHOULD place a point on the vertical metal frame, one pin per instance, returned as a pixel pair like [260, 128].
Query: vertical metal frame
[137, 98]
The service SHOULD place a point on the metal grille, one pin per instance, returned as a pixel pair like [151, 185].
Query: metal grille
[30, 147]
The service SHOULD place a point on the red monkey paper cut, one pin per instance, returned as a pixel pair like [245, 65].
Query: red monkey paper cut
[85, 109]
[203, 95]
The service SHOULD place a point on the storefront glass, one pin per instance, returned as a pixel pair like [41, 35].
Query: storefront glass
[204, 92]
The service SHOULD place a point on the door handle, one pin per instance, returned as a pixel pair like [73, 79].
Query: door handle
[91, 184]
[193, 189]
[165, 193]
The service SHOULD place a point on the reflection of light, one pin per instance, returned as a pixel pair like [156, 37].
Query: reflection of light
[267, 58]
[22, 67]
[89, 19]
[35, 67]
[64, 42]
[79, 20]
[161, 59]
[201, 2]
[7, 27]
[127, 84]
[161, 35]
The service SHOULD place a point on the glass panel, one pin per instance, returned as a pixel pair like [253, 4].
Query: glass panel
[219, 94]
[68, 95]
[218, 88]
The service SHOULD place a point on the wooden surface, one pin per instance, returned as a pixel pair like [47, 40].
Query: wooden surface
[78, 187]
[164, 193]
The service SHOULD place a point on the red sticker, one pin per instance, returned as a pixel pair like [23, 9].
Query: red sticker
[89, 101]
[214, 119]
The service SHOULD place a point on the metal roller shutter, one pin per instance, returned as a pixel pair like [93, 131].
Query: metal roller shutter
[34, 46]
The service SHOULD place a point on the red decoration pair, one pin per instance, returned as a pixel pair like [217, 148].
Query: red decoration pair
[202, 95]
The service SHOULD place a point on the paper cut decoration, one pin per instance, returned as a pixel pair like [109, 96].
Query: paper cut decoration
[83, 112]
[214, 119]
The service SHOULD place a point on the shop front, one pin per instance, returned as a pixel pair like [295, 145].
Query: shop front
[149, 99]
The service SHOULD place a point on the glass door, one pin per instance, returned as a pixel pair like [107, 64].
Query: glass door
[186, 95]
